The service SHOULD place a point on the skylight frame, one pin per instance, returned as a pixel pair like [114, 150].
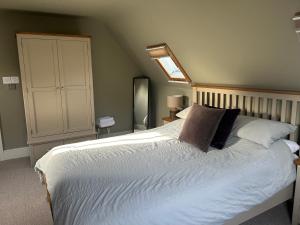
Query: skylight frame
[160, 51]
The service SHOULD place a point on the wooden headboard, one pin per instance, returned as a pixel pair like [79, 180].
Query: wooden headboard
[264, 103]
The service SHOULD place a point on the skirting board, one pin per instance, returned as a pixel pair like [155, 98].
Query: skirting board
[115, 134]
[15, 153]
[12, 153]
[24, 151]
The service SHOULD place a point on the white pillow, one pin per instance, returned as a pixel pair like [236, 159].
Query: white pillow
[261, 131]
[183, 114]
[293, 146]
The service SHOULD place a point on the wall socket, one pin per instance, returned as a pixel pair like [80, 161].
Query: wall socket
[14, 80]
[10, 80]
[6, 80]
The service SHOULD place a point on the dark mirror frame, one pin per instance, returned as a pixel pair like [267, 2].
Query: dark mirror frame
[149, 101]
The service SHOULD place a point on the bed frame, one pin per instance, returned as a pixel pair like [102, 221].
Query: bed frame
[263, 103]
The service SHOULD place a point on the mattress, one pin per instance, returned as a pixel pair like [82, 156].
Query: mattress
[151, 178]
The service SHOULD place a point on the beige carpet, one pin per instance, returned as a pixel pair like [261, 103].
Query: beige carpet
[23, 202]
[22, 197]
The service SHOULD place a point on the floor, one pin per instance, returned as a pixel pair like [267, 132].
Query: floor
[23, 199]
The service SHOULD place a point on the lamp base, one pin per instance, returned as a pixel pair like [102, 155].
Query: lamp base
[173, 114]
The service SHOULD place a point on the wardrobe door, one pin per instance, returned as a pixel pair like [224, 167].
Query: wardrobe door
[41, 71]
[75, 77]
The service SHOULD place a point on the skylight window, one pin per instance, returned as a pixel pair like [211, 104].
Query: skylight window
[171, 67]
[165, 58]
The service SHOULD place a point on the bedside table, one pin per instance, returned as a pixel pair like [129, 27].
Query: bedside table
[168, 119]
[296, 208]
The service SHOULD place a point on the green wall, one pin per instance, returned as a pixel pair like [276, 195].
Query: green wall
[233, 42]
[112, 69]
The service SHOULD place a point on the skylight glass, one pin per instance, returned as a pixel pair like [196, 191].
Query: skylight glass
[171, 67]
[167, 61]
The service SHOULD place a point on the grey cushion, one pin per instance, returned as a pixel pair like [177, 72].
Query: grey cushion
[200, 126]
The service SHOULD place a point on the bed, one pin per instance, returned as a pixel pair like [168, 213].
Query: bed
[152, 178]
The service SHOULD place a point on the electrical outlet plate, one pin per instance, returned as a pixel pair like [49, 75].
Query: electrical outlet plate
[10, 80]
[6, 80]
[14, 80]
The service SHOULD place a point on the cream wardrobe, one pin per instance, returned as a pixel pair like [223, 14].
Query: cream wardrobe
[57, 86]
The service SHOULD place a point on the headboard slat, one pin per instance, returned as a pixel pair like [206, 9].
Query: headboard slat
[205, 97]
[274, 105]
[283, 111]
[265, 108]
[241, 103]
[227, 104]
[221, 100]
[248, 105]
[294, 112]
[256, 106]
[211, 94]
[234, 101]
[200, 97]
[195, 95]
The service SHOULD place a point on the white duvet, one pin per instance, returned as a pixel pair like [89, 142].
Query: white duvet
[150, 178]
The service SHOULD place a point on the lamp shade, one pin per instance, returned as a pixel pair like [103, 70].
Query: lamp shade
[175, 101]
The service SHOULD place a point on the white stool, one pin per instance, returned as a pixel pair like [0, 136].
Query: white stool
[104, 122]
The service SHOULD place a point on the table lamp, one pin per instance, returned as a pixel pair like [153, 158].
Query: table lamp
[174, 103]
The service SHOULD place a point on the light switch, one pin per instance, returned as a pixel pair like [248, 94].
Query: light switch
[6, 80]
[14, 80]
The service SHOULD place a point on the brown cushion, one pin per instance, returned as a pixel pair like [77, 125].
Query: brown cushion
[200, 126]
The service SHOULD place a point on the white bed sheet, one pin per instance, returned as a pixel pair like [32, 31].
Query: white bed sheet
[150, 178]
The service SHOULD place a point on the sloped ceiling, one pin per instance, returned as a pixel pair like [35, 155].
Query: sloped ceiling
[241, 42]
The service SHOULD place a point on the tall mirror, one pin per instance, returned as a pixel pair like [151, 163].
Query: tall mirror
[141, 103]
